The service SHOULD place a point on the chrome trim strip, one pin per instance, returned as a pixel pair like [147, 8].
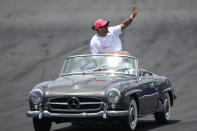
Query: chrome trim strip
[167, 89]
[58, 103]
[81, 103]
[62, 69]
[86, 55]
[149, 95]
[136, 67]
[80, 73]
[72, 110]
[133, 91]
[79, 115]
[90, 103]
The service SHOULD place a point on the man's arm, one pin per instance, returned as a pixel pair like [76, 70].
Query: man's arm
[130, 19]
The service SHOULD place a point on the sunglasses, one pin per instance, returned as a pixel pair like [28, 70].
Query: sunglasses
[105, 26]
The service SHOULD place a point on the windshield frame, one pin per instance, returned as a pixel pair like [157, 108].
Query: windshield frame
[88, 55]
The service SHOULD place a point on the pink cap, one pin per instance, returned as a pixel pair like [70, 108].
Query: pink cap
[99, 23]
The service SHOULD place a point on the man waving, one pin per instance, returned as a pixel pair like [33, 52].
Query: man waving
[107, 38]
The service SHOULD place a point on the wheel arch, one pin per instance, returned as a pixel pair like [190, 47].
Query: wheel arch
[169, 91]
[135, 97]
[134, 94]
[171, 98]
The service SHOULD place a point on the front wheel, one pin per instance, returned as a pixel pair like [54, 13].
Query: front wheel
[133, 112]
[41, 124]
[164, 116]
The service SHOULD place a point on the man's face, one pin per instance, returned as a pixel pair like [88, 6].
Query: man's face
[103, 30]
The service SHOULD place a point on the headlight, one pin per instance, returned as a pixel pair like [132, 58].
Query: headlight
[113, 95]
[36, 96]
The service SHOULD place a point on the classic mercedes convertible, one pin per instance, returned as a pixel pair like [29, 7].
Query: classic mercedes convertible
[101, 87]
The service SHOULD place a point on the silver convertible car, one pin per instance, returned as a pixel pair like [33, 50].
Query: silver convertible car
[103, 87]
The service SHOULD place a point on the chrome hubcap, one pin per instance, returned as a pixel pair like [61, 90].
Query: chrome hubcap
[167, 108]
[132, 115]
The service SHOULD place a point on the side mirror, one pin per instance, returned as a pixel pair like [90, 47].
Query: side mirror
[140, 78]
[141, 73]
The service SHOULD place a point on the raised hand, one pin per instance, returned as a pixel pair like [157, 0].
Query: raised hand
[135, 10]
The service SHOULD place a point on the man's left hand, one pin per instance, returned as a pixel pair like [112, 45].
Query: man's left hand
[134, 11]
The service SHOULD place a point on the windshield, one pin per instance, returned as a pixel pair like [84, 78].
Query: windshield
[100, 63]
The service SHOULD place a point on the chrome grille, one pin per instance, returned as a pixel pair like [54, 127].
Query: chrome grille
[74, 104]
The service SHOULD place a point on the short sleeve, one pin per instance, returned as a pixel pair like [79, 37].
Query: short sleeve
[93, 47]
[116, 30]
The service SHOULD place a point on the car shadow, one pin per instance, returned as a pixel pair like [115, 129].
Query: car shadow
[143, 125]
[146, 125]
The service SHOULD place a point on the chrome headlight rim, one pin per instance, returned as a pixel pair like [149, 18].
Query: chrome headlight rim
[38, 100]
[117, 95]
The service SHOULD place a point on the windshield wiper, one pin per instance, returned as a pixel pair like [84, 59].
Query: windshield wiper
[99, 69]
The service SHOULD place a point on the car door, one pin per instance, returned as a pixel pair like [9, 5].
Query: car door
[153, 93]
[148, 97]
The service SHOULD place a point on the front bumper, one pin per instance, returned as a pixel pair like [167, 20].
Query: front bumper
[103, 114]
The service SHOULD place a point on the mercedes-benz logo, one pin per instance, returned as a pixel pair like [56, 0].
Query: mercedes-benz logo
[73, 103]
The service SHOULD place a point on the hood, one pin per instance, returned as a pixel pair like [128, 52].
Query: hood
[82, 84]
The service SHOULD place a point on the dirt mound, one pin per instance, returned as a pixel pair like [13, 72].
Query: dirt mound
[37, 35]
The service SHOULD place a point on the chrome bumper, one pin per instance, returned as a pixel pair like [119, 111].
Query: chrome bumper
[79, 115]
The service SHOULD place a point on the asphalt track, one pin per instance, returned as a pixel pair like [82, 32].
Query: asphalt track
[37, 35]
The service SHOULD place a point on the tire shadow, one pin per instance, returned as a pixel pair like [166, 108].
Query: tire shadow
[143, 125]
[146, 125]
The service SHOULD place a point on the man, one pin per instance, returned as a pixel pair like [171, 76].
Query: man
[107, 39]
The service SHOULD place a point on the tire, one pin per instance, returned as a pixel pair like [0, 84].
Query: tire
[42, 124]
[133, 115]
[164, 116]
